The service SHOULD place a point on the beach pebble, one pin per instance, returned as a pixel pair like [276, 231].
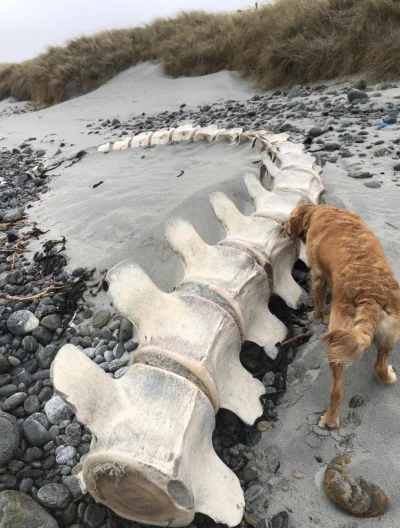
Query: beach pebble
[35, 432]
[22, 322]
[66, 454]
[12, 215]
[54, 496]
[9, 437]
[52, 322]
[57, 410]
[78, 272]
[72, 482]
[397, 167]
[18, 510]
[46, 355]
[315, 132]
[373, 185]
[44, 336]
[4, 365]
[268, 379]
[359, 175]
[29, 344]
[280, 520]
[95, 515]
[356, 94]
[101, 318]
[13, 401]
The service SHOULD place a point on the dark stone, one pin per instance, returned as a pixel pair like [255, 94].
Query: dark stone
[22, 322]
[8, 390]
[331, 147]
[4, 365]
[372, 185]
[95, 515]
[32, 404]
[35, 432]
[390, 119]
[70, 514]
[397, 167]
[52, 322]
[46, 355]
[314, 132]
[280, 520]
[249, 475]
[101, 318]
[29, 344]
[9, 437]
[360, 175]
[78, 272]
[353, 95]
[18, 510]
[125, 330]
[13, 401]
[42, 335]
[54, 496]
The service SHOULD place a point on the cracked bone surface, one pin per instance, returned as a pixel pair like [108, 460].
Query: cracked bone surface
[151, 458]
[266, 237]
[235, 276]
[191, 329]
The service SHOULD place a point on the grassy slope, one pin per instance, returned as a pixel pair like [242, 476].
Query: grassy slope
[291, 41]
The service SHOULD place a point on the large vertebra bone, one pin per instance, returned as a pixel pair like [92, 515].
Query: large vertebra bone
[234, 275]
[266, 237]
[196, 329]
[296, 179]
[151, 458]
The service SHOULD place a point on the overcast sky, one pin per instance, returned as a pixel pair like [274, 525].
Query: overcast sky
[28, 26]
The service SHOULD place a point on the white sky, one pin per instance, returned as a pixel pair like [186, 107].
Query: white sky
[27, 27]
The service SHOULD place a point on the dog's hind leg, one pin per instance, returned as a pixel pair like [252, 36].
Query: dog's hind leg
[319, 286]
[331, 418]
[385, 338]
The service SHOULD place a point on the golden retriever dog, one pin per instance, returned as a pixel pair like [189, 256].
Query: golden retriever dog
[347, 257]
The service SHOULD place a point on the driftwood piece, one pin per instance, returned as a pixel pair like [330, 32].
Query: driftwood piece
[234, 275]
[151, 458]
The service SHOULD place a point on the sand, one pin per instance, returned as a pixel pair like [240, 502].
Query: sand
[124, 217]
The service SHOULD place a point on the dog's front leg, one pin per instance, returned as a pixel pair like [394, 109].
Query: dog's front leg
[331, 418]
[319, 286]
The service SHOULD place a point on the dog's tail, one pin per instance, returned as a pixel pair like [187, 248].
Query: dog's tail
[347, 346]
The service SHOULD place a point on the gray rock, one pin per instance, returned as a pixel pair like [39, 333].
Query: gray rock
[66, 454]
[268, 379]
[372, 185]
[22, 322]
[356, 94]
[54, 496]
[280, 520]
[73, 484]
[25, 485]
[73, 434]
[32, 404]
[13, 401]
[12, 215]
[390, 119]
[8, 390]
[125, 330]
[314, 132]
[101, 318]
[4, 379]
[131, 345]
[9, 438]
[359, 175]
[46, 355]
[52, 322]
[29, 344]
[397, 167]
[57, 410]
[44, 336]
[18, 510]
[4, 365]
[95, 515]
[35, 433]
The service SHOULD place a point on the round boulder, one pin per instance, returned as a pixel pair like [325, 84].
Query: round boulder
[22, 322]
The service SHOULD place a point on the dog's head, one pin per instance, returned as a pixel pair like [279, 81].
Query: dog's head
[299, 222]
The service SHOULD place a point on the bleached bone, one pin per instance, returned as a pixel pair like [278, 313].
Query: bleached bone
[271, 204]
[231, 134]
[141, 140]
[162, 137]
[266, 237]
[209, 133]
[184, 132]
[191, 330]
[151, 458]
[122, 144]
[106, 147]
[298, 179]
[234, 275]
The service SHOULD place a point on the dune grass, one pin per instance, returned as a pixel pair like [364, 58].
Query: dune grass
[288, 42]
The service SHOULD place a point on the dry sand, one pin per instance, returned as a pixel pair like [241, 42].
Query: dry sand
[124, 217]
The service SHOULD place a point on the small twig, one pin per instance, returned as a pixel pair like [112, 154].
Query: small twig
[181, 173]
[391, 225]
[293, 339]
[100, 284]
[32, 297]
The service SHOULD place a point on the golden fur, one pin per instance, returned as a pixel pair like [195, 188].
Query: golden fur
[347, 257]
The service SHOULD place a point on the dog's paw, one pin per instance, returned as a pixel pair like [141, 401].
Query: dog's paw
[392, 376]
[327, 422]
[312, 316]
[327, 319]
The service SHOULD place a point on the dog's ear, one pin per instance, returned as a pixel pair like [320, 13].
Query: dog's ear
[299, 222]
